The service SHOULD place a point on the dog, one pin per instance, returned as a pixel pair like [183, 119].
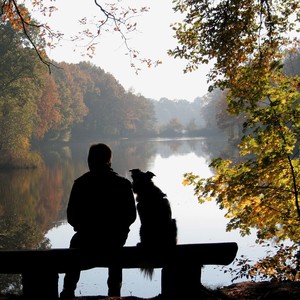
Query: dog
[158, 231]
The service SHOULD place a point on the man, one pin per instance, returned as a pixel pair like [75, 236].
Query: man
[101, 209]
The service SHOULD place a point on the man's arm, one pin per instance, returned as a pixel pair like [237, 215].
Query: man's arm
[73, 208]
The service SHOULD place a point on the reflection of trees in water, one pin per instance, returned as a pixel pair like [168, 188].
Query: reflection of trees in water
[201, 147]
[127, 154]
[20, 203]
[214, 148]
[24, 214]
[130, 154]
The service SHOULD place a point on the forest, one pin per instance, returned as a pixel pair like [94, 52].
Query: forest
[81, 101]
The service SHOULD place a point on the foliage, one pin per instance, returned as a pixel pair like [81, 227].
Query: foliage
[71, 85]
[75, 101]
[110, 110]
[173, 128]
[49, 116]
[231, 33]
[260, 192]
[247, 41]
[281, 266]
[16, 14]
[20, 80]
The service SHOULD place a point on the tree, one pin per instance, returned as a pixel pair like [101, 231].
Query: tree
[247, 42]
[71, 84]
[112, 17]
[48, 109]
[20, 74]
[172, 128]
[191, 127]
[112, 110]
[232, 33]
[139, 116]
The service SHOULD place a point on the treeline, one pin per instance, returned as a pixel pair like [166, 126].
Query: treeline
[96, 105]
[79, 101]
[205, 116]
[72, 102]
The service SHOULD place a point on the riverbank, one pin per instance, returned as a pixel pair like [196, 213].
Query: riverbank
[238, 291]
[262, 291]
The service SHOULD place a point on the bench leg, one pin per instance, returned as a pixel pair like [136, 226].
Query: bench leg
[181, 282]
[38, 285]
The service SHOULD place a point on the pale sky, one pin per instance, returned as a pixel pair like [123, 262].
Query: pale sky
[153, 39]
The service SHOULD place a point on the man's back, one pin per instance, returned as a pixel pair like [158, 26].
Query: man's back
[101, 203]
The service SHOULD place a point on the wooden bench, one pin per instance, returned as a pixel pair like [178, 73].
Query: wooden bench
[181, 267]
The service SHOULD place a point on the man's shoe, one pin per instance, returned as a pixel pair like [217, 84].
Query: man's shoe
[114, 292]
[67, 295]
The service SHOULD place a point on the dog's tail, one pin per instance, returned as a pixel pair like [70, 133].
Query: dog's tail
[148, 272]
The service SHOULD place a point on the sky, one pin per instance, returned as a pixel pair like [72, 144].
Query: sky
[152, 39]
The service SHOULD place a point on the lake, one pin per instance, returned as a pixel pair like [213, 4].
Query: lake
[33, 205]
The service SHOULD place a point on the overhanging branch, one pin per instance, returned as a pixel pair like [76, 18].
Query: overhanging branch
[25, 31]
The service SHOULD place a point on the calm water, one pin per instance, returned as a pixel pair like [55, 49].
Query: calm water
[33, 205]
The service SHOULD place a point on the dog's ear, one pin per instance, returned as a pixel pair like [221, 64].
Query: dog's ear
[135, 173]
[150, 175]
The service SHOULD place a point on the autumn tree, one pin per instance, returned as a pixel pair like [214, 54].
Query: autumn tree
[247, 42]
[140, 116]
[17, 15]
[20, 73]
[49, 115]
[111, 110]
[71, 84]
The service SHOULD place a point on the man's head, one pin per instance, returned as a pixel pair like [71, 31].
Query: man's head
[99, 155]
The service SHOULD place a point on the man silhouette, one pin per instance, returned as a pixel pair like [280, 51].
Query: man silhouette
[101, 209]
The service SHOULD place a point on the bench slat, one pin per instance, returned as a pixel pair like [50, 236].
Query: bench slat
[62, 260]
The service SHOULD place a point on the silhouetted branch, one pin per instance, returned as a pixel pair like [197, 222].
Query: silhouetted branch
[25, 31]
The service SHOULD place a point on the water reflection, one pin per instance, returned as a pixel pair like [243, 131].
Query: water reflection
[33, 202]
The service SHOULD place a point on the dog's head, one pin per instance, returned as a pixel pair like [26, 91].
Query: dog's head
[140, 180]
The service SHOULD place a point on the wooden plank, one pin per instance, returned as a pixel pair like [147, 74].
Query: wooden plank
[61, 260]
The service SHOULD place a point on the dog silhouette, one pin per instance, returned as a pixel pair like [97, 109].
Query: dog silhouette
[158, 231]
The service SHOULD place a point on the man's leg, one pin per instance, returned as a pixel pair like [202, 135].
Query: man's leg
[72, 277]
[70, 282]
[114, 281]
